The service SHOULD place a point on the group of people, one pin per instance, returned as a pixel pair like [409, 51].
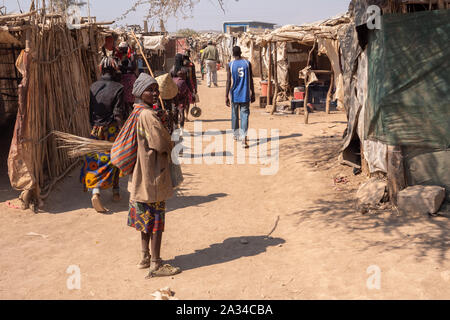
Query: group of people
[122, 95]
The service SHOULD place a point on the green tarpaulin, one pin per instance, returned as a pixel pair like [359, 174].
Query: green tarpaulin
[409, 80]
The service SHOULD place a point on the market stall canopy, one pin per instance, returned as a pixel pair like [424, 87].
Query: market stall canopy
[156, 43]
[307, 33]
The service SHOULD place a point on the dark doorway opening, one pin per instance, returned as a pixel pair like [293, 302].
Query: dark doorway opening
[6, 191]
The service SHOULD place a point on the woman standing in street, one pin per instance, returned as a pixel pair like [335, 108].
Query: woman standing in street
[151, 183]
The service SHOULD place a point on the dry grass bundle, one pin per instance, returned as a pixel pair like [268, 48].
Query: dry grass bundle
[60, 67]
[79, 146]
[58, 96]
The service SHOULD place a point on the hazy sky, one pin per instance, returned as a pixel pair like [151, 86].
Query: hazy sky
[207, 15]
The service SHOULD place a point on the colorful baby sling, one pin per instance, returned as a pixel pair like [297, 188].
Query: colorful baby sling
[124, 150]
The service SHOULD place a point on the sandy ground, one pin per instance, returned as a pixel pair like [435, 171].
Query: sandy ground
[236, 234]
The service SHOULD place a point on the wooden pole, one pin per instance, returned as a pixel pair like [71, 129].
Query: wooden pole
[17, 15]
[395, 172]
[89, 10]
[305, 105]
[275, 73]
[261, 64]
[330, 90]
[269, 84]
[148, 64]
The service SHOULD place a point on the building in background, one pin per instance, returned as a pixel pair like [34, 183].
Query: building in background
[245, 26]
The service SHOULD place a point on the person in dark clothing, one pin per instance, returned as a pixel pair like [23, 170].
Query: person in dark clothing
[106, 102]
[241, 88]
[106, 109]
[182, 98]
[191, 79]
[179, 59]
[192, 71]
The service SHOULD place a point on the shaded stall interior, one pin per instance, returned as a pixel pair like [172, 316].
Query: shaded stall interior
[283, 64]
[10, 79]
[297, 58]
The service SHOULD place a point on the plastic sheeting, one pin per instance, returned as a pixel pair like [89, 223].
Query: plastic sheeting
[20, 162]
[330, 48]
[155, 43]
[375, 152]
[350, 51]
[355, 79]
[409, 80]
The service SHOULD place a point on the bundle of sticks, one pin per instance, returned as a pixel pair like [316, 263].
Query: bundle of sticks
[79, 146]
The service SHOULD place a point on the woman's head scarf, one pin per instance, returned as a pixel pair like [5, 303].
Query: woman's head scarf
[142, 83]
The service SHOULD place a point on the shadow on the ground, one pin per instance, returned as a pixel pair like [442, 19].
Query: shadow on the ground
[216, 120]
[229, 250]
[181, 201]
[252, 144]
[318, 153]
[270, 139]
[59, 203]
[224, 154]
[68, 196]
[421, 236]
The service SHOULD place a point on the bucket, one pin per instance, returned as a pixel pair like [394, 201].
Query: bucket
[264, 85]
[299, 93]
[265, 88]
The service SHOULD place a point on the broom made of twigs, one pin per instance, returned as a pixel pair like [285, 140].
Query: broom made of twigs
[80, 146]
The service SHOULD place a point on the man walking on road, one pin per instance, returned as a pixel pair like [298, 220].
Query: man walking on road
[242, 93]
[211, 56]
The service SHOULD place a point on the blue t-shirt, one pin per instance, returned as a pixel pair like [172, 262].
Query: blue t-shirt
[240, 73]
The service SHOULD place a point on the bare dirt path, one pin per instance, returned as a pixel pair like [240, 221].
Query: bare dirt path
[235, 233]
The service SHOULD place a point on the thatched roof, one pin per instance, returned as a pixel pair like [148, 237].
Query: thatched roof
[8, 38]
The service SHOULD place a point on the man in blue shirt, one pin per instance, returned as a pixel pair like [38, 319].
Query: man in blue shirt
[240, 85]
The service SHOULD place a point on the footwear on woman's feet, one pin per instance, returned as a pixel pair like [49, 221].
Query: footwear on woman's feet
[160, 270]
[145, 263]
[97, 204]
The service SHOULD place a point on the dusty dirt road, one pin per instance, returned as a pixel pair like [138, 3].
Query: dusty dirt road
[236, 234]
